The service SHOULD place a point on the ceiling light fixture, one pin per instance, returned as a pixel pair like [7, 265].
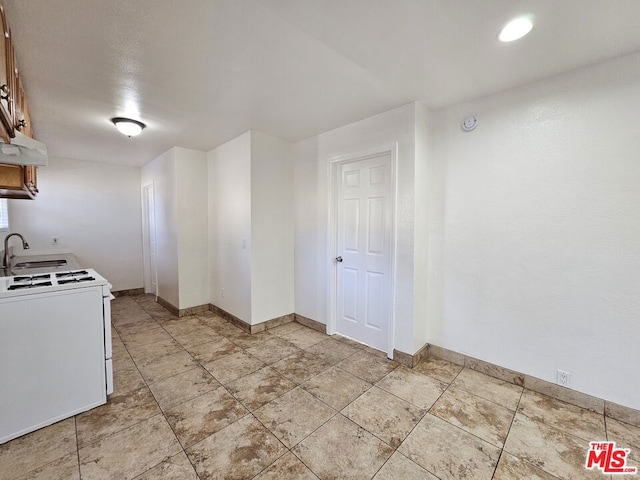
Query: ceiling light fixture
[127, 126]
[515, 29]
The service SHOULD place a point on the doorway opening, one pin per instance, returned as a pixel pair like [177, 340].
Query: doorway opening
[149, 247]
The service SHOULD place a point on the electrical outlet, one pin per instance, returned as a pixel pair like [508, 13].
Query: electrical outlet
[222, 292]
[563, 378]
[55, 240]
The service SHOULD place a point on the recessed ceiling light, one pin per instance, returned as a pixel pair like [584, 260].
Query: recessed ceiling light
[127, 126]
[515, 29]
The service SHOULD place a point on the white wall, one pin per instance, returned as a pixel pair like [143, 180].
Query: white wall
[425, 202]
[542, 229]
[193, 227]
[162, 173]
[179, 177]
[272, 286]
[313, 259]
[94, 209]
[229, 180]
[310, 280]
[251, 227]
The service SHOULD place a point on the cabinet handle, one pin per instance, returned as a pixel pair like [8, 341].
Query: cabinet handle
[5, 92]
[21, 124]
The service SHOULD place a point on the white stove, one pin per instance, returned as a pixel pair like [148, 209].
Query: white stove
[55, 348]
[49, 282]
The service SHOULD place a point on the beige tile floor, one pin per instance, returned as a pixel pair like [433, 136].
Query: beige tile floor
[197, 398]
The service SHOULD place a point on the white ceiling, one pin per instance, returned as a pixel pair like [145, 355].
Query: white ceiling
[201, 72]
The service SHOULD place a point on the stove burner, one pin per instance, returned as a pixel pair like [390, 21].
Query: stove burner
[29, 285]
[71, 274]
[45, 276]
[75, 280]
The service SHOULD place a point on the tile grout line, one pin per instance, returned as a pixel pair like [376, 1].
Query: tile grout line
[121, 430]
[136, 423]
[283, 377]
[160, 408]
[426, 412]
[336, 412]
[513, 419]
[480, 396]
[25, 474]
[221, 385]
[448, 386]
[553, 427]
[462, 429]
[300, 385]
[340, 412]
[151, 391]
[503, 451]
[157, 403]
[318, 398]
[115, 396]
[226, 389]
[272, 463]
[75, 424]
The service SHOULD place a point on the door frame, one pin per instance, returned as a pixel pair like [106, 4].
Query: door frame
[332, 241]
[146, 239]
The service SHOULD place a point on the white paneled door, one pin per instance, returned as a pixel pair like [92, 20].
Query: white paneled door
[363, 247]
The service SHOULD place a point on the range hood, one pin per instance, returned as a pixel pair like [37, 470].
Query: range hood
[24, 151]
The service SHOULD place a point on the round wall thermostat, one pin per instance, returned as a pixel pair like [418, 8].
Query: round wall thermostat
[469, 123]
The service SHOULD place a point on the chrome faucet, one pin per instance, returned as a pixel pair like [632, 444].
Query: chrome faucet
[6, 261]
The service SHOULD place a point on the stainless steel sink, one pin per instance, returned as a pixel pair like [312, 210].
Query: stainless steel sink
[40, 264]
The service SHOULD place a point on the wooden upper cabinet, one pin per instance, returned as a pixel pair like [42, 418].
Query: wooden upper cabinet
[24, 125]
[31, 179]
[16, 181]
[21, 116]
[7, 92]
[16, 88]
[14, 110]
[18, 115]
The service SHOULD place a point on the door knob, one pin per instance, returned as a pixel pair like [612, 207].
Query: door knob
[339, 259]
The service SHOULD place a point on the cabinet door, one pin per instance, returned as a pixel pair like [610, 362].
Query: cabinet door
[31, 178]
[17, 95]
[18, 181]
[6, 69]
[11, 177]
[22, 119]
[25, 124]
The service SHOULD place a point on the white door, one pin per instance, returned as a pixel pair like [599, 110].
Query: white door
[363, 254]
[150, 269]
